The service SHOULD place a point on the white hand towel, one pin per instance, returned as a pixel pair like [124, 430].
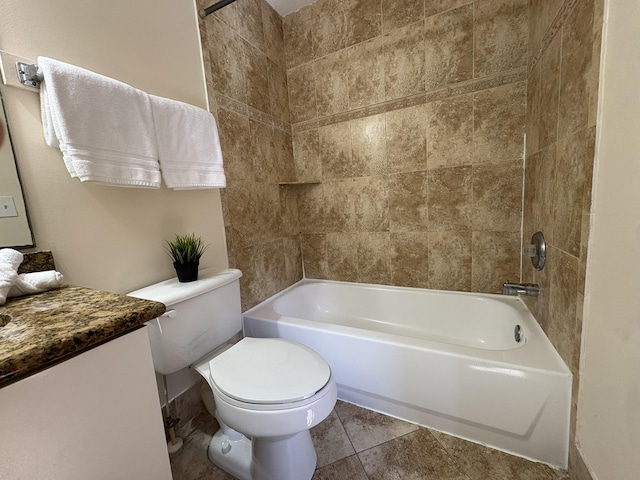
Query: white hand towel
[10, 260]
[103, 127]
[36, 282]
[188, 145]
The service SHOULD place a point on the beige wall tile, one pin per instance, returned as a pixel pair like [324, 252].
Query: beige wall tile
[227, 55]
[250, 22]
[340, 197]
[450, 132]
[368, 146]
[329, 26]
[408, 202]
[449, 197]
[366, 73]
[450, 260]
[498, 123]
[563, 326]
[374, 264]
[311, 208]
[497, 203]
[297, 32]
[292, 259]
[500, 35]
[342, 256]
[331, 83]
[278, 92]
[574, 172]
[273, 34]
[533, 109]
[549, 96]
[433, 7]
[270, 268]
[541, 15]
[306, 154]
[409, 259]
[542, 99]
[449, 47]
[267, 220]
[539, 193]
[235, 143]
[579, 80]
[284, 167]
[404, 61]
[371, 201]
[335, 152]
[363, 20]
[314, 250]
[406, 139]
[228, 16]
[302, 93]
[399, 14]
[496, 259]
[289, 210]
[263, 152]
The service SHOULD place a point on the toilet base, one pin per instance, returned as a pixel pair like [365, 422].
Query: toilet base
[233, 456]
[282, 458]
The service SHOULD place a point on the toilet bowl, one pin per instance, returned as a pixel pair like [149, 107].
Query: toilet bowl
[267, 392]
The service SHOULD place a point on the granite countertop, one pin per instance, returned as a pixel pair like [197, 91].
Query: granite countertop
[50, 327]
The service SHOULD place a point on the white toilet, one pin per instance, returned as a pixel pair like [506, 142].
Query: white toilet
[268, 392]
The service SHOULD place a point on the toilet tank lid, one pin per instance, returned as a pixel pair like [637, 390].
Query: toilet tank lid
[172, 291]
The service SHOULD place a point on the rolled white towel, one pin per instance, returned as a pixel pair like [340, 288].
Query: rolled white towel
[10, 260]
[36, 282]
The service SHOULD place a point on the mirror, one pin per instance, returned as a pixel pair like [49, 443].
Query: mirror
[14, 224]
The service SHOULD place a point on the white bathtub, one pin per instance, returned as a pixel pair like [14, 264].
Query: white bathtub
[446, 360]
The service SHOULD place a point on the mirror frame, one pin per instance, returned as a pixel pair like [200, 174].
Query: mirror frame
[8, 138]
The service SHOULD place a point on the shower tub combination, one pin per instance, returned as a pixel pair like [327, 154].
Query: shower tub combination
[476, 366]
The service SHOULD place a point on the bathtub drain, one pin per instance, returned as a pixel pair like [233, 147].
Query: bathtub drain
[517, 333]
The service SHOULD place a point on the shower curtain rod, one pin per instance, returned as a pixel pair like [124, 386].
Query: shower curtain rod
[216, 6]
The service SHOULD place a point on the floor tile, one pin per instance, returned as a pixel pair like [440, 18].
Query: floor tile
[192, 463]
[367, 428]
[331, 441]
[415, 456]
[481, 463]
[347, 468]
[389, 449]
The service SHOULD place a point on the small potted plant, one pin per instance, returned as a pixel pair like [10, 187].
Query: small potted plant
[185, 251]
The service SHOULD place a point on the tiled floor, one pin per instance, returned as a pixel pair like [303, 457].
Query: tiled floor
[357, 444]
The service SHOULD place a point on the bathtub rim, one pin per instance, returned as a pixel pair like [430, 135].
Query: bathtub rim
[537, 339]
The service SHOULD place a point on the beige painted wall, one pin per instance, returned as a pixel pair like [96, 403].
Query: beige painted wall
[108, 237]
[609, 405]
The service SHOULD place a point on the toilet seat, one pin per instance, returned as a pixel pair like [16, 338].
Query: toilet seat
[266, 372]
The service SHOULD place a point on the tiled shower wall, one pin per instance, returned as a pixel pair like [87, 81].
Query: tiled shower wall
[411, 116]
[562, 88]
[247, 87]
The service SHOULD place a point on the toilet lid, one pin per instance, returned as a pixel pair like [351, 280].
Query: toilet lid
[269, 370]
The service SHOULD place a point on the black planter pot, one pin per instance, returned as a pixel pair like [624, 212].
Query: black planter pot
[187, 272]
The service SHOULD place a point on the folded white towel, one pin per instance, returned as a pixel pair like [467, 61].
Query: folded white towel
[10, 260]
[103, 127]
[36, 282]
[188, 145]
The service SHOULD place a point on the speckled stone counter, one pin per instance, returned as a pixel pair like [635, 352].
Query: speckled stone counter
[50, 327]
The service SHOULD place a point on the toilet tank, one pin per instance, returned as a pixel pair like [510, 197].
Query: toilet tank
[200, 316]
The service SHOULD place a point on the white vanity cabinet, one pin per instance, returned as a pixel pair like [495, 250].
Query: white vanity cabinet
[94, 416]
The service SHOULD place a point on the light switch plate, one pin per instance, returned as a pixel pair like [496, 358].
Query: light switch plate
[7, 207]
